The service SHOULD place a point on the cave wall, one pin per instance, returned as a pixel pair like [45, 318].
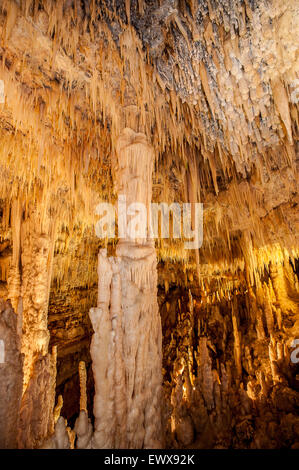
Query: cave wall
[229, 380]
[11, 370]
[214, 86]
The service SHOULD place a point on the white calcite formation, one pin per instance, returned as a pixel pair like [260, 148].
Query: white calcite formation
[127, 341]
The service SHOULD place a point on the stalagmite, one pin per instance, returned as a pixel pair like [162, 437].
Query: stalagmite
[60, 439]
[83, 427]
[237, 343]
[280, 288]
[57, 409]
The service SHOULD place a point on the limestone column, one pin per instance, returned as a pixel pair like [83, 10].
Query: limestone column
[126, 347]
[11, 376]
[29, 286]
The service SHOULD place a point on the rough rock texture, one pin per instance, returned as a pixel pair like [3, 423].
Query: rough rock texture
[36, 415]
[228, 376]
[11, 376]
[215, 85]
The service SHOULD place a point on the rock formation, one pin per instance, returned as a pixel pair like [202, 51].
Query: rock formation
[127, 343]
[228, 373]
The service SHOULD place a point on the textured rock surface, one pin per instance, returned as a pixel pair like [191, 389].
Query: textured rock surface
[228, 376]
[36, 414]
[11, 376]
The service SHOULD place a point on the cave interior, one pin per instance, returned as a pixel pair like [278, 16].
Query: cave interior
[115, 341]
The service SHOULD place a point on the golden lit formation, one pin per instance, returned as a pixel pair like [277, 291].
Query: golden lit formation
[139, 343]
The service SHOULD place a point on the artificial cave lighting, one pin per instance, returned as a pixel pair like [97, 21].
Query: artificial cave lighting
[149, 251]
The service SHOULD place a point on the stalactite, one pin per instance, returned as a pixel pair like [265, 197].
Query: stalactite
[255, 382]
[29, 279]
[268, 310]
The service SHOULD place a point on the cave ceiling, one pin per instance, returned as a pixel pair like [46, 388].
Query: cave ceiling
[212, 84]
